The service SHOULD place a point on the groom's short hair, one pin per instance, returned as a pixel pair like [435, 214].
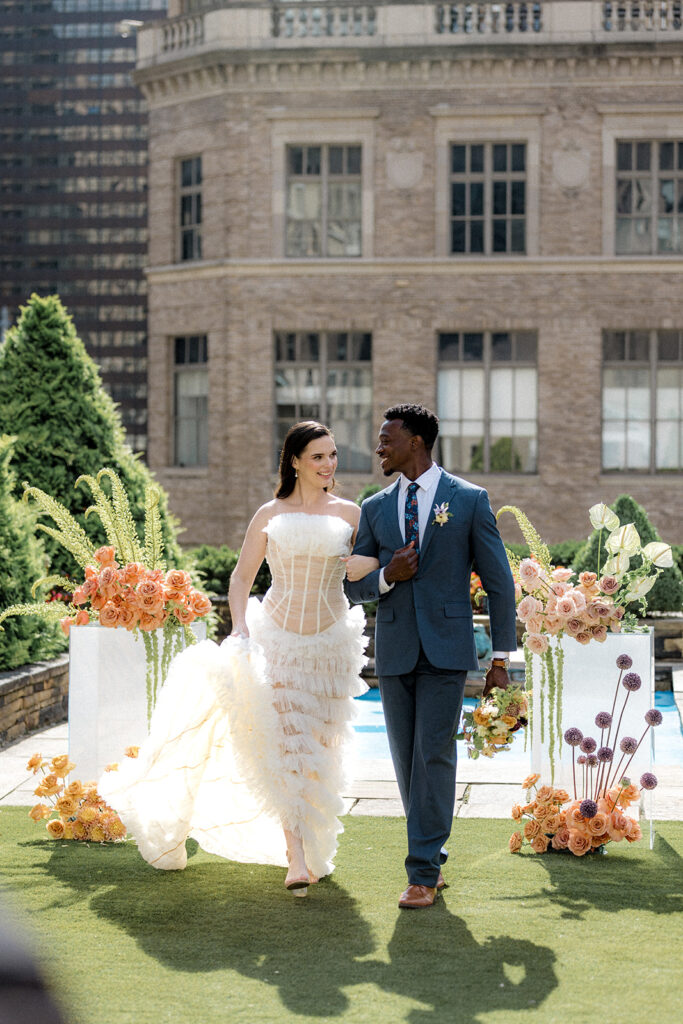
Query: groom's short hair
[416, 420]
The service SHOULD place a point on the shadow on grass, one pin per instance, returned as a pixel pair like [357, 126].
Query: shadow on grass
[225, 916]
[650, 881]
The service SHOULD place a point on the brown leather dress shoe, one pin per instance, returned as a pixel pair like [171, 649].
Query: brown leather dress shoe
[441, 883]
[417, 896]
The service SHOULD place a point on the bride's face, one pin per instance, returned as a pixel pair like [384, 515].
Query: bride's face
[317, 463]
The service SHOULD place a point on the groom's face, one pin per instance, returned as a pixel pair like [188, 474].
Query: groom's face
[395, 447]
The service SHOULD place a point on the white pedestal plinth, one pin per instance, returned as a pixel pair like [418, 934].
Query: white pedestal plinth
[107, 695]
[590, 679]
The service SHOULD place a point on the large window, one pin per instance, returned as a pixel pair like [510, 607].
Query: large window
[327, 376]
[649, 197]
[642, 401]
[488, 198]
[191, 401]
[487, 401]
[190, 197]
[323, 201]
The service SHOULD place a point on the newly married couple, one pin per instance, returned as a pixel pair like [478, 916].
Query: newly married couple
[245, 750]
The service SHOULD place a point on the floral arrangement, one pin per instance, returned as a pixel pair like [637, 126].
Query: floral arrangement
[603, 792]
[553, 602]
[490, 726]
[126, 583]
[477, 592]
[76, 810]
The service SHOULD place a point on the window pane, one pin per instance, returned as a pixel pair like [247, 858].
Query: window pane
[477, 159]
[666, 196]
[472, 393]
[309, 348]
[624, 196]
[613, 446]
[336, 160]
[476, 198]
[313, 160]
[179, 350]
[449, 347]
[458, 202]
[524, 405]
[458, 154]
[473, 347]
[667, 450]
[666, 156]
[518, 158]
[296, 159]
[642, 196]
[668, 345]
[500, 202]
[458, 236]
[638, 445]
[526, 345]
[501, 393]
[624, 151]
[518, 236]
[499, 235]
[448, 396]
[517, 193]
[501, 347]
[477, 236]
[643, 150]
[303, 200]
[614, 346]
[349, 402]
[361, 347]
[500, 158]
[353, 159]
[669, 393]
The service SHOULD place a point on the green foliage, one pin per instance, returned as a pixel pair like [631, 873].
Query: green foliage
[215, 565]
[367, 491]
[667, 593]
[22, 560]
[537, 546]
[677, 550]
[563, 553]
[503, 457]
[67, 426]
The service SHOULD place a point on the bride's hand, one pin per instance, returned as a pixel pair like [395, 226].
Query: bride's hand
[240, 631]
[358, 566]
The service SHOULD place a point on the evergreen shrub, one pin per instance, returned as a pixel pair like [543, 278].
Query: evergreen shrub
[214, 567]
[367, 491]
[52, 398]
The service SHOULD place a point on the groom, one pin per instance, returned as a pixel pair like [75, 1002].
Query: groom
[429, 530]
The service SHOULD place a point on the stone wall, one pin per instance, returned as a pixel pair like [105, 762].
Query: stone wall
[33, 697]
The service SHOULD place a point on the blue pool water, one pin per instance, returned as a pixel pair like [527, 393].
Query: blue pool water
[372, 734]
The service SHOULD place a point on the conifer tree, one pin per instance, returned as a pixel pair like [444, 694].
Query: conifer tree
[52, 399]
[667, 593]
[22, 562]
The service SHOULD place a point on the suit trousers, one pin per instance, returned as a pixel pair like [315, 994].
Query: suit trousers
[422, 712]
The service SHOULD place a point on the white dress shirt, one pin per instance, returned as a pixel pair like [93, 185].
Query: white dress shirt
[426, 490]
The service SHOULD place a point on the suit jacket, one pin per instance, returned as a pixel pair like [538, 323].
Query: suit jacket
[433, 608]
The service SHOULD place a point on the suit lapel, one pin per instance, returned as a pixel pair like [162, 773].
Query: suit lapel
[444, 492]
[390, 512]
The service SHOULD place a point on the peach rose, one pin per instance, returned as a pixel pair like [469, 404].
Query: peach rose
[560, 840]
[575, 820]
[509, 720]
[532, 828]
[178, 579]
[544, 795]
[61, 765]
[534, 624]
[599, 633]
[132, 573]
[82, 618]
[515, 842]
[200, 603]
[518, 591]
[633, 832]
[98, 601]
[539, 844]
[528, 808]
[530, 780]
[560, 589]
[39, 812]
[565, 607]
[615, 626]
[603, 609]
[527, 607]
[151, 622]
[552, 822]
[79, 595]
[617, 826]
[597, 825]
[108, 581]
[553, 624]
[530, 574]
[185, 615]
[66, 623]
[66, 805]
[591, 613]
[560, 796]
[50, 785]
[537, 643]
[574, 625]
[587, 578]
[55, 829]
[106, 556]
[561, 574]
[150, 588]
[609, 585]
[128, 616]
[578, 843]
[151, 604]
[584, 637]
[579, 600]
[599, 840]
[109, 616]
[516, 813]
[34, 763]
[629, 795]
[75, 789]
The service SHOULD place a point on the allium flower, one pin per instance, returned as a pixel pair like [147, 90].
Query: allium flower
[631, 681]
[628, 745]
[624, 661]
[573, 736]
[581, 759]
[648, 780]
[588, 808]
[591, 760]
[605, 754]
[588, 744]
[653, 716]
[603, 719]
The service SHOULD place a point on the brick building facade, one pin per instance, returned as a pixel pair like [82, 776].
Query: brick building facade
[477, 206]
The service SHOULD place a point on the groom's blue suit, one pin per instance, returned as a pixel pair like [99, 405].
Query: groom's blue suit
[424, 644]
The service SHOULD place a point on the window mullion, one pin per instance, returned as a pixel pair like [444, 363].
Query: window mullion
[488, 201]
[323, 199]
[487, 401]
[653, 401]
[323, 379]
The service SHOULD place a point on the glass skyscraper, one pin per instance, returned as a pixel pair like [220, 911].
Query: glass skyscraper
[73, 179]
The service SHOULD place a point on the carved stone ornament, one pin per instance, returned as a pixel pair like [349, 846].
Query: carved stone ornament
[404, 164]
[571, 167]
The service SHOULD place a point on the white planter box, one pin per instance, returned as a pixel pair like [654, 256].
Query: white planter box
[590, 679]
[107, 695]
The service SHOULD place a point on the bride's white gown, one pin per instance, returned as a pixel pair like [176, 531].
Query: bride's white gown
[249, 736]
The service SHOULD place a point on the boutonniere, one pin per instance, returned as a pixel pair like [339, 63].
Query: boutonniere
[441, 514]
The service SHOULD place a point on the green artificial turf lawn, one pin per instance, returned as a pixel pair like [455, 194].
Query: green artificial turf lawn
[515, 938]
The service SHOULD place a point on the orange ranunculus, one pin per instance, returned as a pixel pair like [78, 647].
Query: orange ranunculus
[629, 795]
[201, 604]
[617, 826]
[66, 805]
[66, 623]
[131, 751]
[597, 825]
[578, 842]
[34, 763]
[116, 829]
[106, 556]
[560, 840]
[61, 765]
[560, 796]
[55, 829]
[86, 814]
[516, 813]
[75, 789]
[530, 780]
[544, 795]
[109, 616]
[178, 579]
[151, 622]
[185, 616]
[39, 812]
[539, 844]
[133, 573]
[515, 842]
[532, 828]
[528, 808]
[634, 832]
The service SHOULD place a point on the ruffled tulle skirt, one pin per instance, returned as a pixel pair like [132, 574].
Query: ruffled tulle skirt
[247, 738]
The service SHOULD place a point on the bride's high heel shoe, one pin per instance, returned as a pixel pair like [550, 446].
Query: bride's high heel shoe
[297, 886]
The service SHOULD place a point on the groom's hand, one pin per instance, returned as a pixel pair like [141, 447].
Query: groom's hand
[496, 676]
[403, 564]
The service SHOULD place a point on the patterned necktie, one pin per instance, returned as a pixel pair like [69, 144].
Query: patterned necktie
[412, 524]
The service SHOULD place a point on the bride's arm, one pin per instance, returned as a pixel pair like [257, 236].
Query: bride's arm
[358, 566]
[243, 575]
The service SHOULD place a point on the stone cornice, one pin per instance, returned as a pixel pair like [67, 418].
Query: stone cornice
[505, 266]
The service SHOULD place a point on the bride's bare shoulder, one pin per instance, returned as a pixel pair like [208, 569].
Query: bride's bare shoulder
[266, 512]
[348, 510]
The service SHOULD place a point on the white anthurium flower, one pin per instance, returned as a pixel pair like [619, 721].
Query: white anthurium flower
[624, 541]
[641, 587]
[602, 515]
[616, 566]
[659, 553]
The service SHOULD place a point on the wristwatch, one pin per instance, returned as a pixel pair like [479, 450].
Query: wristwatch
[503, 662]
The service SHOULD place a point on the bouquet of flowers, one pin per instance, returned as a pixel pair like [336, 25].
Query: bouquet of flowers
[125, 582]
[596, 814]
[490, 726]
[76, 810]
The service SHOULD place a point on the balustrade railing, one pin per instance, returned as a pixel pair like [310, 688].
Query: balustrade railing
[635, 15]
[299, 20]
[488, 18]
[182, 32]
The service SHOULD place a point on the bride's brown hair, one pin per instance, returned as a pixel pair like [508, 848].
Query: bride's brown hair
[298, 437]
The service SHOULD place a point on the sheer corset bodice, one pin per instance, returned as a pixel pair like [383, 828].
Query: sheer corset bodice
[303, 552]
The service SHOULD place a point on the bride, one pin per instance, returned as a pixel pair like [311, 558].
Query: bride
[245, 749]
